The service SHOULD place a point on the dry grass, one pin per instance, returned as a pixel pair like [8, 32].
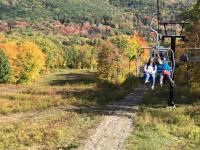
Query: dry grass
[37, 116]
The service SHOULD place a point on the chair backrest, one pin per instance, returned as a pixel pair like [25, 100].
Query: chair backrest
[166, 54]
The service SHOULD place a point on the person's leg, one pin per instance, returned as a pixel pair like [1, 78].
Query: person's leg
[153, 81]
[147, 77]
[170, 80]
[161, 79]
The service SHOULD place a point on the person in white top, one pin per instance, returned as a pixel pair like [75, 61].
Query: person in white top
[150, 70]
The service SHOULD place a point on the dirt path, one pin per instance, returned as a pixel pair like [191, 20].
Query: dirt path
[111, 133]
[117, 125]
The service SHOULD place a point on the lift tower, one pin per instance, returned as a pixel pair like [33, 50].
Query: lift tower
[173, 38]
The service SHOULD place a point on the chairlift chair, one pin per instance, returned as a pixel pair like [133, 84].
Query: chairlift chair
[164, 53]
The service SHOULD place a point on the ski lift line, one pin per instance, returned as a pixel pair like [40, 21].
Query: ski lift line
[190, 49]
[194, 60]
[156, 32]
[142, 12]
[173, 23]
[160, 49]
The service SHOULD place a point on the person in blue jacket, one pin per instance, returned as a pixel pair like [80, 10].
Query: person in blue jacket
[164, 70]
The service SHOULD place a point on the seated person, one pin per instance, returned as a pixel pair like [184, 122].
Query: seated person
[164, 70]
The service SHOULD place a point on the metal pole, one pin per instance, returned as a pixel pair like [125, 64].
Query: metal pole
[171, 88]
[158, 14]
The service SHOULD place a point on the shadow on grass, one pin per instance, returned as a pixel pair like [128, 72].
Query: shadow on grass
[160, 96]
[107, 97]
[73, 78]
[125, 110]
[70, 147]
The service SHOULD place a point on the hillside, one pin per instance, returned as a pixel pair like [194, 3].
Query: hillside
[116, 13]
[76, 11]
[169, 9]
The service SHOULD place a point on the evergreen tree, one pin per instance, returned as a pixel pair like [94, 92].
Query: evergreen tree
[5, 69]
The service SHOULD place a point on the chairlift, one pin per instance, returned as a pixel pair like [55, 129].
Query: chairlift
[193, 54]
[164, 53]
[167, 55]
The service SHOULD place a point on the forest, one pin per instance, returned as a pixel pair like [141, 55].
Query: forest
[67, 66]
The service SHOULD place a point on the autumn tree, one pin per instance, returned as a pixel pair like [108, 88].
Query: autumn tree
[25, 58]
[110, 62]
[130, 45]
[81, 56]
[52, 48]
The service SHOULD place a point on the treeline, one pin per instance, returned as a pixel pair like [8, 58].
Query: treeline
[169, 10]
[115, 13]
[117, 57]
[191, 74]
[71, 11]
[24, 58]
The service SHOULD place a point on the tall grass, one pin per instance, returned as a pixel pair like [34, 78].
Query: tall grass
[159, 128]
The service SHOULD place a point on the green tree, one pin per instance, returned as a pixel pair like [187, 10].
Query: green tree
[5, 69]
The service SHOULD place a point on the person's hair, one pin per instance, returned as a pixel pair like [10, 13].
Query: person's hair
[149, 62]
[162, 56]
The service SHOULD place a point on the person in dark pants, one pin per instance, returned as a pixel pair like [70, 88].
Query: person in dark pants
[164, 70]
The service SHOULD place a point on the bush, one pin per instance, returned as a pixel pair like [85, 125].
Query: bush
[5, 69]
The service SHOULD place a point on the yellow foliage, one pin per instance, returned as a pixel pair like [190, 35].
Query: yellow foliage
[25, 58]
[131, 45]
[2, 38]
[86, 56]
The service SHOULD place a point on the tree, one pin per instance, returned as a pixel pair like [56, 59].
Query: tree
[111, 62]
[25, 58]
[81, 56]
[105, 60]
[5, 69]
[130, 45]
[52, 48]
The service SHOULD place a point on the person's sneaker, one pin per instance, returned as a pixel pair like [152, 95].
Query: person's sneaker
[161, 84]
[172, 83]
[152, 87]
[171, 107]
[146, 82]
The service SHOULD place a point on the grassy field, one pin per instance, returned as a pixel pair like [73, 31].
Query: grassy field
[160, 128]
[43, 115]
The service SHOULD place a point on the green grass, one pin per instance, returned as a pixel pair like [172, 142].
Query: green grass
[39, 115]
[160, 128]
[63, 88]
